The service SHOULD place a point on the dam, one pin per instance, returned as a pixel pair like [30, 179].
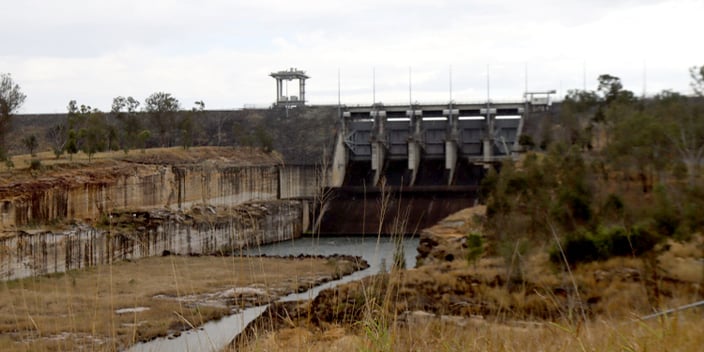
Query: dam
[401, 168]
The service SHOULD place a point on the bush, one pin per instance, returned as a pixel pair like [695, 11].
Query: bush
[583, 246]
[579, 247]
[35, 165]
[475, 247]
[526, 141]
[613, 205]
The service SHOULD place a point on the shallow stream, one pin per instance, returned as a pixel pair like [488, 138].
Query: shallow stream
[216, 335]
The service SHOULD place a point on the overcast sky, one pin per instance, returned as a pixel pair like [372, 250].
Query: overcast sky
[222, 51]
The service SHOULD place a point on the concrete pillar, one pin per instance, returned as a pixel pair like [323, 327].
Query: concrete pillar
[451, 141]
[339, 161]
[414, 143]
[487, 148]
[488, 143]
[450, 159]
[413, 159]
[378, 144]
[302, 89]
[378, 152]
[516, 144]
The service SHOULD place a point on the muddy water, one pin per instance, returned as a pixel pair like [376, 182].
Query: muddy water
[214, 336]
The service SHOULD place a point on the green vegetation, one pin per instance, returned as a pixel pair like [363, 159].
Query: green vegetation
[30, 142]
[158, 121]
[584, 246]
[475, 247]
[618, 175]
[11, 99]
[161, 108]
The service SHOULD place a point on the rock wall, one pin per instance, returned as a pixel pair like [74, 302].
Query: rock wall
[188, 207]
[300, 181]
[29, 253]
[447, 240]
[86, 197]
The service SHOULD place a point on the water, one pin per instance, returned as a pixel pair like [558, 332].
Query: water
[215, 336]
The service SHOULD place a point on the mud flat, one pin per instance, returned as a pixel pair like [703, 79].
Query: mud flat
[110, 307]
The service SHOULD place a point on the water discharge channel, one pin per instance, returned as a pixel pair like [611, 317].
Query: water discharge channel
[216, 335]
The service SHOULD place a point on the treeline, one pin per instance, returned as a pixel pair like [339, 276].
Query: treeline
[616, 176]
[160, 122]
[300, 134]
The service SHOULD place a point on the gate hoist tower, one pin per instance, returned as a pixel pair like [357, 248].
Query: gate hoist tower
[282, 97]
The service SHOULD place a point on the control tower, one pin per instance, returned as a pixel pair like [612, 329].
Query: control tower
[282, 97]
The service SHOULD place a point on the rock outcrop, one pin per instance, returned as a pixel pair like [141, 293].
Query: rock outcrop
[191, 203]
[447, 240]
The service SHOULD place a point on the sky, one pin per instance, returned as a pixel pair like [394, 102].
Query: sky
[389, 51]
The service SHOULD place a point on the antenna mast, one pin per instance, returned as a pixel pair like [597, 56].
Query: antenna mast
[410, 87]
[373, 85]
[450, 84]
[339, 101]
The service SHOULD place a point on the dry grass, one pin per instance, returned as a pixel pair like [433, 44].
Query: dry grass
[172, 155]
[680, 333]
[77, 309]
[428, 332]
[616, 293]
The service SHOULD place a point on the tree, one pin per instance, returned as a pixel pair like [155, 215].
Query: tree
[57, 136]
[697, 83]
[126, 111]
[638, 142]
[95, 134]
[683, 126]
[71, 143]
[266, 142]
[187, 125]
[88, 130]
[11, 99]
[609, 87]
[30, 142]
[162, 108]
[142, 139]
[577, 115]
[611, 91]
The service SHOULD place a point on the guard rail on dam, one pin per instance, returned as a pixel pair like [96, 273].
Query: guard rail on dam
[403, 168]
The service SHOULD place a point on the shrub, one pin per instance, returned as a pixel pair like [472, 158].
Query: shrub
[579, 247]
[613, 205]
[35, 165]
[583, 246]
[475, 247]
[526, 141]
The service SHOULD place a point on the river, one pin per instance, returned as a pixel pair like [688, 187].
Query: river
[215, 335]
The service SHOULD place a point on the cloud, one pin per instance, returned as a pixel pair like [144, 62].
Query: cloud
[222, 51]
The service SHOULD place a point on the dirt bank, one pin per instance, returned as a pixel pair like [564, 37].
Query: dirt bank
[447, 291]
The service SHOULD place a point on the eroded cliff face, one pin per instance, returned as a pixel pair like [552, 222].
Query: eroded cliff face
[78, 217]
[141, 186]
[137, 234]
